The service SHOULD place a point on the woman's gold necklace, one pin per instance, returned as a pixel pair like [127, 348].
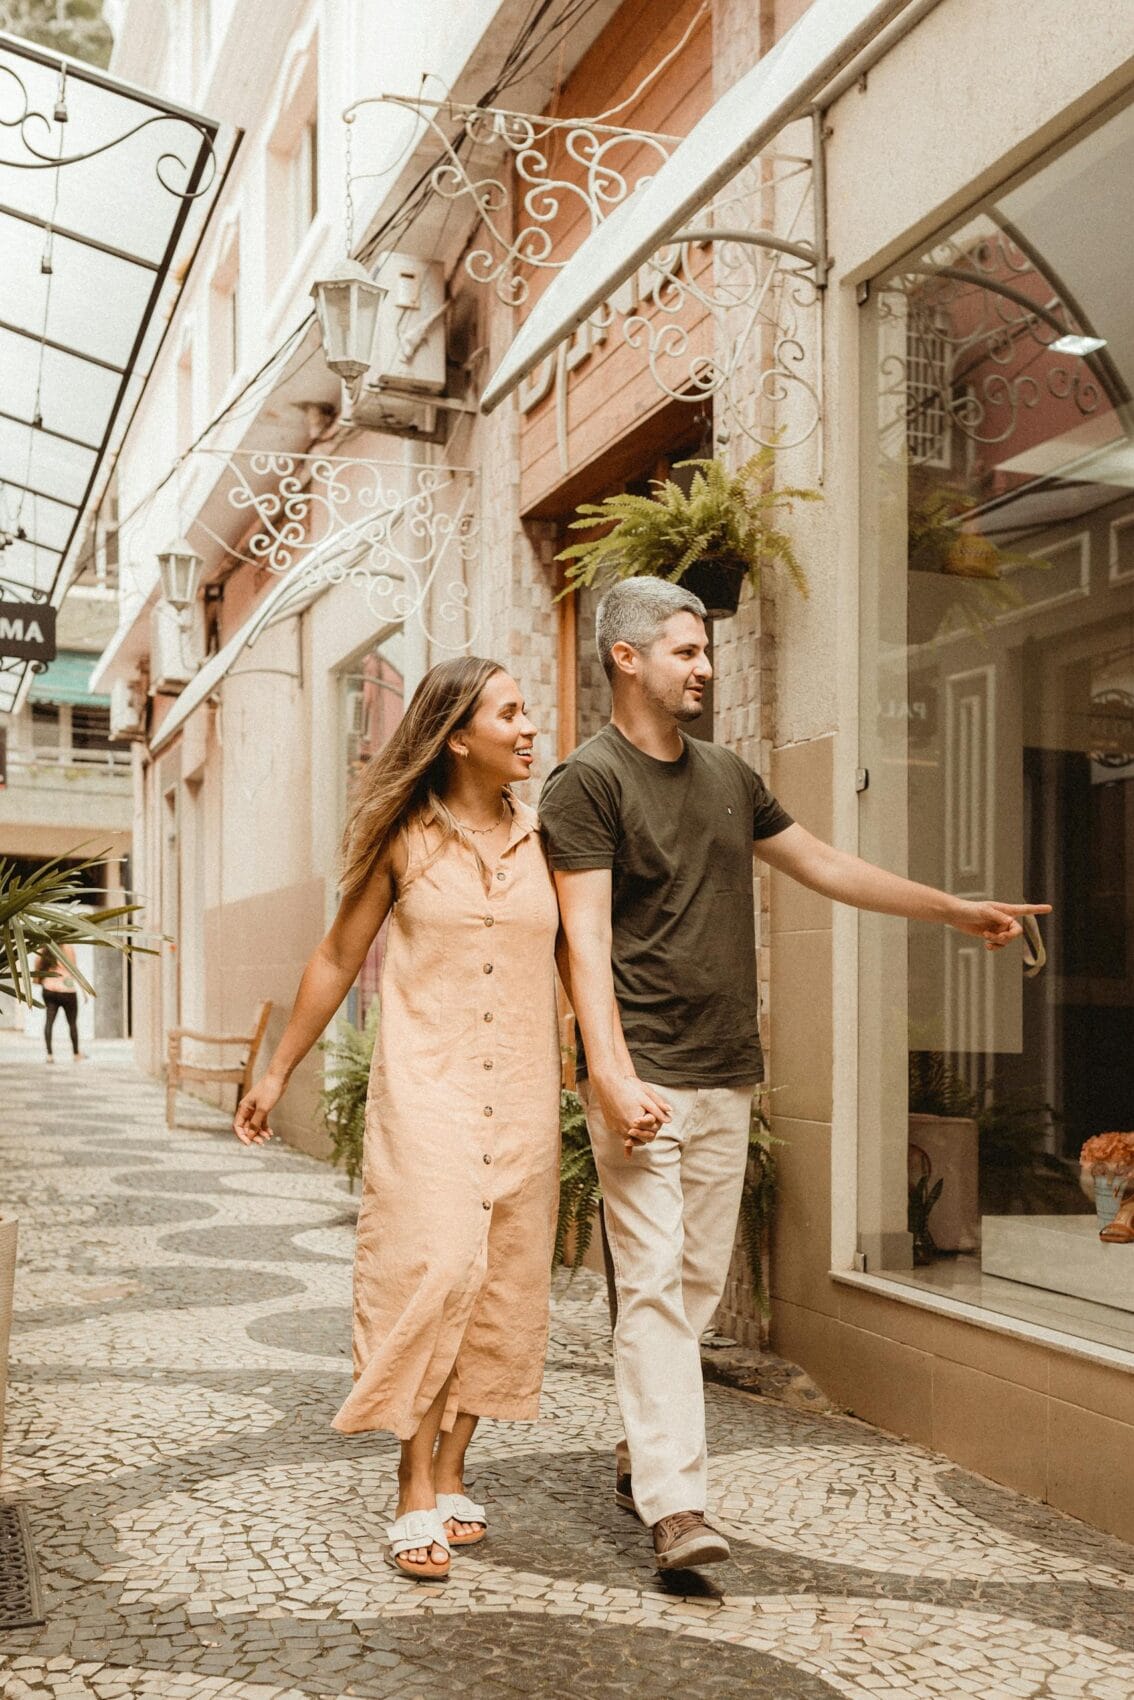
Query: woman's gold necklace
[480, 831]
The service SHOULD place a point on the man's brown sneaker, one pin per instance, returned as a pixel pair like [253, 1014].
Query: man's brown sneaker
[684, 1540]
[624, 1491]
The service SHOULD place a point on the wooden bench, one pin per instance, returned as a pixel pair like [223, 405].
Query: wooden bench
[239, 1075]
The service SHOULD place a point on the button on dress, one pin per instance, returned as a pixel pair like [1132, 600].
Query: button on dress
[461, 1157]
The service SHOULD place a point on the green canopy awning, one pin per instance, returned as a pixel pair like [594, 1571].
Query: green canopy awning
[67, 679]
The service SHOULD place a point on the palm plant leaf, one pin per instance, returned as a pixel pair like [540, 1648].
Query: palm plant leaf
[43, 911]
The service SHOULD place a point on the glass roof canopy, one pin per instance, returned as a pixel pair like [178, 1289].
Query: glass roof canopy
[104, 193]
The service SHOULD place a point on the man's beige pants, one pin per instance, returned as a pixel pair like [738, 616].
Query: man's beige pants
[671, 1211]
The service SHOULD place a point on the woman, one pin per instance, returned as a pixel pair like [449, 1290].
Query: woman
[460, 1169]
[60, 992]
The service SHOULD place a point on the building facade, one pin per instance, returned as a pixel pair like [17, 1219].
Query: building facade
[67, 790]
[946, 355]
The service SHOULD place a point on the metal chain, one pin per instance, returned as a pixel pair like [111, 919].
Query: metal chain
[348, 156]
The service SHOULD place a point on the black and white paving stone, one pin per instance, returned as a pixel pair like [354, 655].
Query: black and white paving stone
[181, 1342]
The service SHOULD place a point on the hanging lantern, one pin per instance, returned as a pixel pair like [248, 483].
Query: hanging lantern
[180, 568]
[347, 303]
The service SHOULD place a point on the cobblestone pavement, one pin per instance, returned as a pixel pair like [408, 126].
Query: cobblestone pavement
[180, 1346]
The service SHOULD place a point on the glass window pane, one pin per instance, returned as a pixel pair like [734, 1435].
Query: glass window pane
[26, 564]
[96, 301]
[998, 730]
[117, 195]
[75, 397]
[47, 463]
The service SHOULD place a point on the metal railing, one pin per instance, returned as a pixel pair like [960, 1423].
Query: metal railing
[53, 759]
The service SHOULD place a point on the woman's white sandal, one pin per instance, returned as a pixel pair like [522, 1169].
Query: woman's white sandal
[414, 1530]
[458, 1508]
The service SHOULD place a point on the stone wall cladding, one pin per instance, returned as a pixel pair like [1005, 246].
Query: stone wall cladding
[743, 660]
[593, 692]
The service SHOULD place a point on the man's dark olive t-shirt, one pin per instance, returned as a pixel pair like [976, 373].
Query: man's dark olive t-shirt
[677, 837]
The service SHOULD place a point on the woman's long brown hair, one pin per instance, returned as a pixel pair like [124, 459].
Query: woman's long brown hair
[407, 775]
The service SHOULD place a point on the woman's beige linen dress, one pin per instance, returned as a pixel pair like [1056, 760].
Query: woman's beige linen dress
[461, 1159]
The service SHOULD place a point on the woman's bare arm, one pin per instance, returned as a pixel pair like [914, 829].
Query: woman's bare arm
[326, 980]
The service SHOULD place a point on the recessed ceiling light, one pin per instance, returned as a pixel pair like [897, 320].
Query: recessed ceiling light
[1072, 344]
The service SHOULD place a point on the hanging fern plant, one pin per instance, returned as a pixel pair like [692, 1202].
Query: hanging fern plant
[725, 521]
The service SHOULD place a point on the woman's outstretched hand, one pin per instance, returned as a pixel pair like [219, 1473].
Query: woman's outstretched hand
[250, 1124]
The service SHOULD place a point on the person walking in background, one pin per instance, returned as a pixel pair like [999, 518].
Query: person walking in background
[60, 992]
[651, 836]
[461, 1159]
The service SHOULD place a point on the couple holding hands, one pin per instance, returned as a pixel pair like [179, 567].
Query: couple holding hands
[634, 881]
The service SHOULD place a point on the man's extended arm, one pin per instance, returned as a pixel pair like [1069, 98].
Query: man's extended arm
[628, 1106]
[848, 879]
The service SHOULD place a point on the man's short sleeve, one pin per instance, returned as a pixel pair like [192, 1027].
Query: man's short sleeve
[768, 817]
[579, 818]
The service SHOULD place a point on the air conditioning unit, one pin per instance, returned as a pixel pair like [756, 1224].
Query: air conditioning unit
[409, 341]
[127, 710]
[176, 649]
[403, 393]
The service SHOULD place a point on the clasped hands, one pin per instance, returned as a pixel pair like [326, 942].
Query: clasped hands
[633, 1111]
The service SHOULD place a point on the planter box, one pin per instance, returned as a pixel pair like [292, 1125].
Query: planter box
[7, 1283]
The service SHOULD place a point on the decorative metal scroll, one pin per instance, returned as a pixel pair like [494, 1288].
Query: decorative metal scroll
[25, 119]
[404, 534]
[965, 329]
[524, 174]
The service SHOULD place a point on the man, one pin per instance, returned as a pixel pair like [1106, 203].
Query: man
[651, 837]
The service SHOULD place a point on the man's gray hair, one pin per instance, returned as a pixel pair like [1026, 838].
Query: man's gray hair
[634, 611]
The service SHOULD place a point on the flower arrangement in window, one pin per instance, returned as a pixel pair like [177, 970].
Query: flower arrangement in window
[1107, 1159]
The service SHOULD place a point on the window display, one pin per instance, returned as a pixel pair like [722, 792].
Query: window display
[997, 735]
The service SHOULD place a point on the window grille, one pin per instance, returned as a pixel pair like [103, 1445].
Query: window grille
[928, 370]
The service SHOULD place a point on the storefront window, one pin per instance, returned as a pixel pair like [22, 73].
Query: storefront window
[997, 735]
[373, 702]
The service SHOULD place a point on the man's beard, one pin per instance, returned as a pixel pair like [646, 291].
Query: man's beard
[673, 704]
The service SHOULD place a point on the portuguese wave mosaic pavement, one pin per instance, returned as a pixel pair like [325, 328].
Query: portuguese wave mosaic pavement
[181, 1342]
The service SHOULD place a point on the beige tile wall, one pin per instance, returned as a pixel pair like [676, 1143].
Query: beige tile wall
[257, 948]
[1039, 1420]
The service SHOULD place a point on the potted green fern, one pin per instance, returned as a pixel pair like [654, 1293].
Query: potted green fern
[346, 1080]
[711, 538]
[580, 1193]
[343, 1108]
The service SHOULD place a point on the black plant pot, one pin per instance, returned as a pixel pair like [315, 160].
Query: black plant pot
[717, 580]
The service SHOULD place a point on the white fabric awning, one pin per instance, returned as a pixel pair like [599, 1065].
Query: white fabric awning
[282, 601]
[296, 590]
[781, 87]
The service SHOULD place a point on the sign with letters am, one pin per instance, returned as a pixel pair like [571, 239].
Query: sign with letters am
[27, 631]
